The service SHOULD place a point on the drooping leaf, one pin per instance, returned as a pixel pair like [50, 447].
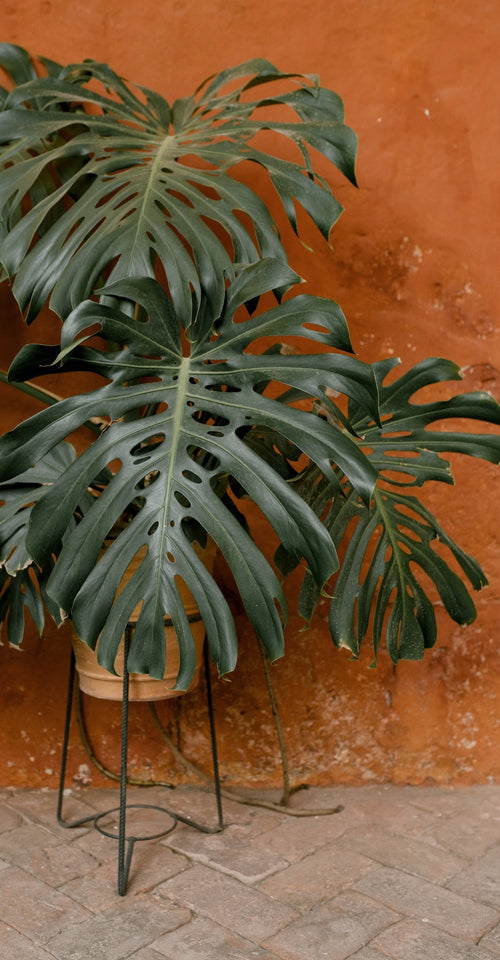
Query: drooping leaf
[384, 593]
[17, 63]
[19, 66]
[18, 593]
[22, 582]
[394, 548]
[17, 499]
[404, 443]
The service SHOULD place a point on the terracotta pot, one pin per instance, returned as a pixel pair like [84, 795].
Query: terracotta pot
[98, 682]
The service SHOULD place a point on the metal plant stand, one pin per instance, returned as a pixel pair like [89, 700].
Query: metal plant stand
[126, 843]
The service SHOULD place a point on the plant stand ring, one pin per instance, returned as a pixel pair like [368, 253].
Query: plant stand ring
[136, 806]
[125, 857]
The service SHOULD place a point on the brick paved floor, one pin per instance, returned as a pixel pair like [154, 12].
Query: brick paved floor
[410, 873]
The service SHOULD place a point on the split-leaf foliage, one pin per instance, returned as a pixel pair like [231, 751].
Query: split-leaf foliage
[123, 212]
[397, 560]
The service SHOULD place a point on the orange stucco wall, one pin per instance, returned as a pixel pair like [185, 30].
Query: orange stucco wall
[413, 265]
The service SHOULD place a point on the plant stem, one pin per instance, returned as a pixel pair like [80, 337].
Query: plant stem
[45, 396]
[82, 727]
[285, 799]
[233, 794]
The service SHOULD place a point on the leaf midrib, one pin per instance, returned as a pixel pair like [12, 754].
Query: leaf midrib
[152, 178]
[184, 371]
[393, 540]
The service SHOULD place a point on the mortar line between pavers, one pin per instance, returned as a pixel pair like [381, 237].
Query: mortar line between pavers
[208, 859]
[31, 820]
[253, 884]
[450, 849]
[486, 932]
[197, 912]
[21, 813]
[419, 876]
[228, 930]
[433, 926]
[35, 944]
[149, 945]
[347, 888]
[430, 923]
[401, 919]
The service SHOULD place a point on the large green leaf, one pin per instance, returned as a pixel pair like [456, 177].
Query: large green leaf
[134, 181]
[404, 444]
[17, 499]
[18, 594]
[171, 469]
[394, 548]
[380, 589]
[17, 64]
[21, 580]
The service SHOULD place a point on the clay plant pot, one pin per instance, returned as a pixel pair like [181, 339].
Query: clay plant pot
[98, 682]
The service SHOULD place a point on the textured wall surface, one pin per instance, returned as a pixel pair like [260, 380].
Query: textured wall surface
[413, 265]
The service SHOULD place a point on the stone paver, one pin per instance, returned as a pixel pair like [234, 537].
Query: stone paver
[9, 819]
[411, 940]
[205, 940]
[35, 909]
[37, 850]
[317, 877]
[482, 880]
[38, 806]
[417, 898]
[469, 836]
[382, 805]
[15, 946]
[404, 873]
[254, 823]
[454, 800]
[367, 953]
[238, 857]
[18, 842]
[191, 802]
[298, 837]
[334, 930]
[241, 909]
[151, 865]
[146, 953]
[116, 932]
[492, 940]
[422, 856]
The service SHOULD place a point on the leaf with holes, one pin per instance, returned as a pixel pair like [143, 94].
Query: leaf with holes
[402, 447]
[134, 182]
[394, 547]
[173, 468]
[379, 587]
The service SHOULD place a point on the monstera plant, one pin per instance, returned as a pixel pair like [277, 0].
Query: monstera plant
[122, 213]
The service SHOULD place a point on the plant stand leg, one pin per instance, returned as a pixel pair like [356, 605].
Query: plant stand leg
[126, 843]
[68, 824]
[213, 742]
[123, 868]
